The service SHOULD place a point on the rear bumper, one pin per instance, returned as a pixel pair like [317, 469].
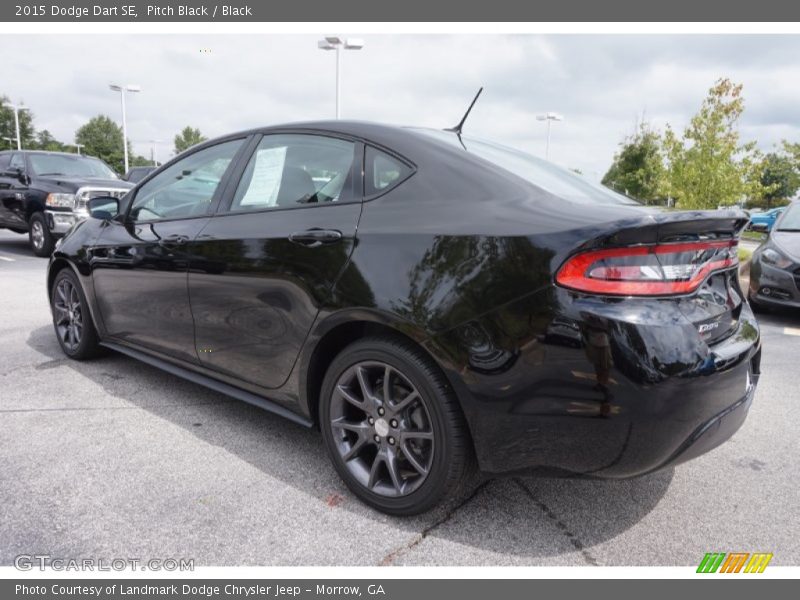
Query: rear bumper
[648, 394]
[716, 431]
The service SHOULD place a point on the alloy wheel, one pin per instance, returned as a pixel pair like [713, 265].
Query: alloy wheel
[68, 314]
[382, 428]
[37, 234]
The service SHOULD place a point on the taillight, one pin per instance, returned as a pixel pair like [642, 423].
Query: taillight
[657, 270]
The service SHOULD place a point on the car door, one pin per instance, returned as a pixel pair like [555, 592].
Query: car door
[263, 266]
[140, 261]
[13, 191]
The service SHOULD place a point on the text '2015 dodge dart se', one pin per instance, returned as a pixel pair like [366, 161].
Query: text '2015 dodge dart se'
[430, 301]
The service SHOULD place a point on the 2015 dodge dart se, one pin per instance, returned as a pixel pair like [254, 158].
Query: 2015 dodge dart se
[430, 301]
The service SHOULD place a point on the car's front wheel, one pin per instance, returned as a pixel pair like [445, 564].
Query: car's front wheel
[392, 426]
[39, 236]
[71, 318]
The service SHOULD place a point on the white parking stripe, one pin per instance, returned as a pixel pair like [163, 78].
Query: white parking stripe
[791, 331]
[5, 258]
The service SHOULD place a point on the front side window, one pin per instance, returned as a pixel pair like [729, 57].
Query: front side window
[187, 188]
[288, 171]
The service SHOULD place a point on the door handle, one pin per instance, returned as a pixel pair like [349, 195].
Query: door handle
[314, 238]
[175, 239]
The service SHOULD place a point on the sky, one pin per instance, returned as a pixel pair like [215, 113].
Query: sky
[601, 84]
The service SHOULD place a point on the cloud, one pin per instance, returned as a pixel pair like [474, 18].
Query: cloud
[222, 83]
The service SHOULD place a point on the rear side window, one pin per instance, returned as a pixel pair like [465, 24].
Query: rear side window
[382, 171]
[293, 170]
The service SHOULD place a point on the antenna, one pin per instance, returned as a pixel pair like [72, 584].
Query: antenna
[457, 128]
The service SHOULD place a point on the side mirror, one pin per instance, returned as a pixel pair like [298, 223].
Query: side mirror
[15, 172]
[103, 207]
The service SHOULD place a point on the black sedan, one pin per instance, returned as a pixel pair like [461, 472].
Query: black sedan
[775, 268]
[433, 303]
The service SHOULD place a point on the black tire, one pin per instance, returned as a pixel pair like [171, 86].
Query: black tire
[39, 236]
[434, 409]
[72, 321]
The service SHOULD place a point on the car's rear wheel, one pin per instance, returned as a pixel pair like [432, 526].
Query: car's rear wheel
[392, 426]
[39, 236]
[71, 318]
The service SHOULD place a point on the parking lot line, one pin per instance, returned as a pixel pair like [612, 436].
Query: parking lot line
[5, 258]
[791, 331]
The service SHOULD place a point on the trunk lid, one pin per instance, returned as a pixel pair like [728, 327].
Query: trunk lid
[715, 306]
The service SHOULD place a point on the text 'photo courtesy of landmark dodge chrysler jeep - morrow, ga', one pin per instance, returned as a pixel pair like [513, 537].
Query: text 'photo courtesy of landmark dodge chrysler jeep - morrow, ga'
[433, 303]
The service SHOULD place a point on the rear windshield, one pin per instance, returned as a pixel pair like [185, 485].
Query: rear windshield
[791, 219]
[541, 173]
[60, 165]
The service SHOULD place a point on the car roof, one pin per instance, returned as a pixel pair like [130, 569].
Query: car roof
[47, 152]
[402, 139]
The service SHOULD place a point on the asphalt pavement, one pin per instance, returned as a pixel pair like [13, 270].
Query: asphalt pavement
[115, 459]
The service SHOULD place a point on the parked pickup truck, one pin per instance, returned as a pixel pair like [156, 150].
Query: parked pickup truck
[44, 194]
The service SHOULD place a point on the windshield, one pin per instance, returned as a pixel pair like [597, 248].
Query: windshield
[541, 173]
[64, 165]
[791, 219]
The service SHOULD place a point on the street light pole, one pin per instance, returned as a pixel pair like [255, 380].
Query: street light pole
[336, 43]
[338, 81]
[549, 117]
[122, 89]
[18, 108]
[153, 151]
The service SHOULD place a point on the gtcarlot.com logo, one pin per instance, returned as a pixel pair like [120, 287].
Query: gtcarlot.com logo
[27, 562]
[734, 562]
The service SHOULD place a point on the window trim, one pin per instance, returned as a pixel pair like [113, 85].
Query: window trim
[224, 207]
[215, 199]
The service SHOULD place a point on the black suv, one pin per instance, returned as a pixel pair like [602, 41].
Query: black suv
[45, 193]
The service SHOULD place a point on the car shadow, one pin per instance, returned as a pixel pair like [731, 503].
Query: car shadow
[523, 517]
[778, 316]
[16, 244]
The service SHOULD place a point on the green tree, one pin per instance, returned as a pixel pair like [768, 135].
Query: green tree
[102, 137]
[8, 129]
[779, 180]
[44, 140]
[709, 166]
[187, 138]
[137, 160]
[638, 167]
